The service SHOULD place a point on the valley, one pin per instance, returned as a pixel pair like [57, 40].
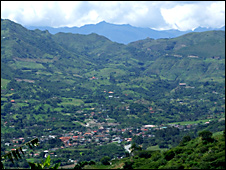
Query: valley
[85, 97]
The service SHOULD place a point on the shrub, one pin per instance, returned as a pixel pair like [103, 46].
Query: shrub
[206, 136]
[169, 155]
[105, 160]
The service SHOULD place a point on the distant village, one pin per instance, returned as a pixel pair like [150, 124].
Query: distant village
[99, 137]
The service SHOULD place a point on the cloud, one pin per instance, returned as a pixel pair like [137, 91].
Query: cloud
[153, 14]
[190, 16]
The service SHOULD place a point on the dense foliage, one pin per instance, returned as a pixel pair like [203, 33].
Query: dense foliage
[190, 154]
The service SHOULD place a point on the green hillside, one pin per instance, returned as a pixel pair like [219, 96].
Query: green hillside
[198, 153]
[70, 84]
[194, 56]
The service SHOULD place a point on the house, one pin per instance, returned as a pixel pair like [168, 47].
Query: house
[36, 154]
[64, 139]
[75, 137]
[149, 126]
[99, 136]
[93, 78]
[87, 134]
[182, 84]
[52, 136]
[129, 139]
[7, 143]
[193, 56]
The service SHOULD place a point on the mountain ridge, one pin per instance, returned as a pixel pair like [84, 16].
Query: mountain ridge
[92, 48]
[122, 33]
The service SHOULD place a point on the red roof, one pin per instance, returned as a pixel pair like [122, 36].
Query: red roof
[65, 138]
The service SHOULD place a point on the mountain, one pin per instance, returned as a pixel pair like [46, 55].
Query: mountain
[181, 55]
[67, 84]
[202, 29]
[143, 74]
[124, 33]
[173, 58]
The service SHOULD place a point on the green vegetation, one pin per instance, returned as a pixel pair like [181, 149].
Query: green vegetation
[190, 154]
[100, 94]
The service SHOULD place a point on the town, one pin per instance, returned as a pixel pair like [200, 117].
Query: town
[104, 134]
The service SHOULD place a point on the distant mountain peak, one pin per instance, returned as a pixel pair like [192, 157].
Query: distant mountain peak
[102, 22]
[123, 33]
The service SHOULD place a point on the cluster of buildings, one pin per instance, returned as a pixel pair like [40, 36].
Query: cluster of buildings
[100, 136]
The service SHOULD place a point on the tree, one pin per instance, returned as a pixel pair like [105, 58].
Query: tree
[105, 160]
[17, 152]
[138, 139]
[206, 136]
[44, 165]
[185, 139]
[128, 165]
[168, 155]
[80, 165]
[135, 147]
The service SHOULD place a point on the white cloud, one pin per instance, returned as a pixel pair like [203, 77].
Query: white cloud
[153, 14]
[190, 16]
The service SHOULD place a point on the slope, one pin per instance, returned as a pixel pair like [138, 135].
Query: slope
[194, 56]
[198, 153]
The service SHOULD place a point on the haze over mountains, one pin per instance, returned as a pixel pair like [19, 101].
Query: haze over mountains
[124, 33]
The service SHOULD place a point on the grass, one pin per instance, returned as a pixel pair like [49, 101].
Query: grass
[7, 130]
[192, 122]
[22, 104]
[31, 159]
[43, 72]
[25, 64]
[71, 101]
[217, 133]
[96, 167]
[76, 122]
[41, 117]
[4, 99]
[58, 109]
[156, 147]
[4, 83]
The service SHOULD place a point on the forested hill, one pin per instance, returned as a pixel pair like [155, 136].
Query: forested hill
[86, 65]
[194, 56]
[60, 88]
[203, 152]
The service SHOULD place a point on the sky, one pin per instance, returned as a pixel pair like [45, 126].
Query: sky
[159, 15]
